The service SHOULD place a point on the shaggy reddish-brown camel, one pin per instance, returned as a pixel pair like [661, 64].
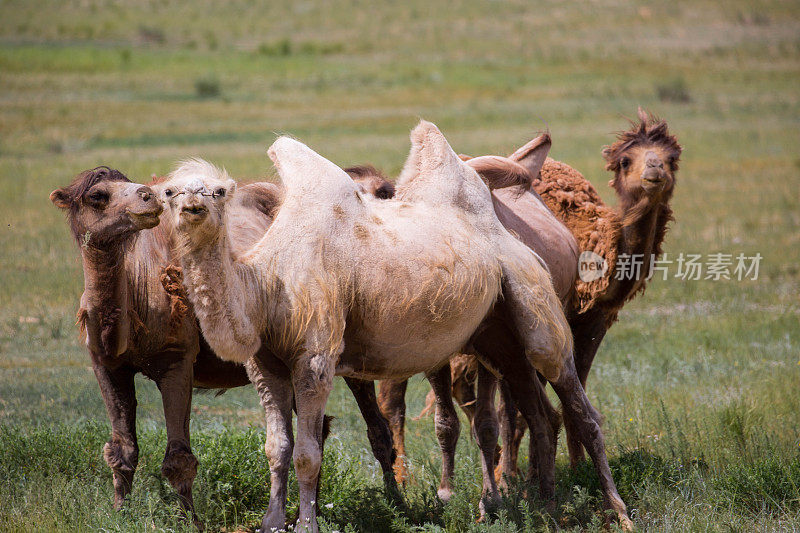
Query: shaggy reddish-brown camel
[644, 161]
[133, 324]
[308, 289]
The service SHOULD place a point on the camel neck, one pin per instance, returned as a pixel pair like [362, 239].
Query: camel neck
[638, 235]
[105, 303]
[225, 299]
[637, 241]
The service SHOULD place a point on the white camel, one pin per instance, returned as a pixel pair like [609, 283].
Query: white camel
[311, 290]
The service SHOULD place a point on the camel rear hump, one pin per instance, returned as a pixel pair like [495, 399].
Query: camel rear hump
[434, 174]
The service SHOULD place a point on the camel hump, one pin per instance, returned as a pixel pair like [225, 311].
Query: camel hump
[307, 174]
[434, 173]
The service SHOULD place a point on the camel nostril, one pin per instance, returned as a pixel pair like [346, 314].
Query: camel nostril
[145, 194]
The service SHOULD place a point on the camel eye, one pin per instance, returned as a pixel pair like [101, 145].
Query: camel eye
[168, 193]
[625, 163]
[98, 197]
[220, 192]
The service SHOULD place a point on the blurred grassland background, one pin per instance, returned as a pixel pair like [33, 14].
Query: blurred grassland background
[698, 381]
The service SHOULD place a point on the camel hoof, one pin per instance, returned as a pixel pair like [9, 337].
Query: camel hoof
[273, 522]
[488, 505]
[400, 471]
[625, 523]
[445, 494]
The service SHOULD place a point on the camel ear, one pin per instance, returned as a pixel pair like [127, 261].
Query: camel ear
[533, 155]
[61, 199]
[231, 186]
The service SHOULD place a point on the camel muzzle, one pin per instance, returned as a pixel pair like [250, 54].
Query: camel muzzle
[653, 177]
[194, 213]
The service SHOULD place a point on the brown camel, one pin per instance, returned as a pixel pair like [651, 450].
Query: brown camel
[122, 312]
[308, 288]
[135, 316]
[644, 161]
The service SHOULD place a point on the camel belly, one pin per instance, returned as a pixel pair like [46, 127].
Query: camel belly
[404, 340]
[423, 284]
[401, 352]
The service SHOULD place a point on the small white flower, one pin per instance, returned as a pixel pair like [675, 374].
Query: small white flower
[328, 506]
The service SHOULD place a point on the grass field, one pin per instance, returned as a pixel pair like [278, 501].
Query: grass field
[699, 382]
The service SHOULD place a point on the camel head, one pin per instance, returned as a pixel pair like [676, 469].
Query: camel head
[371, 181]
[104, 207]
[195, 195]
[644, 161]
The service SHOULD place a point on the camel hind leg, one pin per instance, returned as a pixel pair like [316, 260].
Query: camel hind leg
[589, 330]
[447, 426]
[587, 423]
[499, 348]
[392, 403]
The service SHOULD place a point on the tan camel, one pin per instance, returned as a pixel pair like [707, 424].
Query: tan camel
[133, 325]
[644, 161]
[308, 288]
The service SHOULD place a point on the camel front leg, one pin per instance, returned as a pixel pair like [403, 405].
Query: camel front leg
[121, 452]
[271, 379]
[485, 431]
[378, 433]
[392, 403]
[447, 427]
[179, 465]
[312, 380]
[587, 422]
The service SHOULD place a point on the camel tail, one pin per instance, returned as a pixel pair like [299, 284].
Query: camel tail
[538, 316]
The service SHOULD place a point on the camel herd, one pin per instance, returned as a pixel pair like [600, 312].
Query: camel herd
[197, 282]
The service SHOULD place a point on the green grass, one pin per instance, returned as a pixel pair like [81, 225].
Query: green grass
[697, 382]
